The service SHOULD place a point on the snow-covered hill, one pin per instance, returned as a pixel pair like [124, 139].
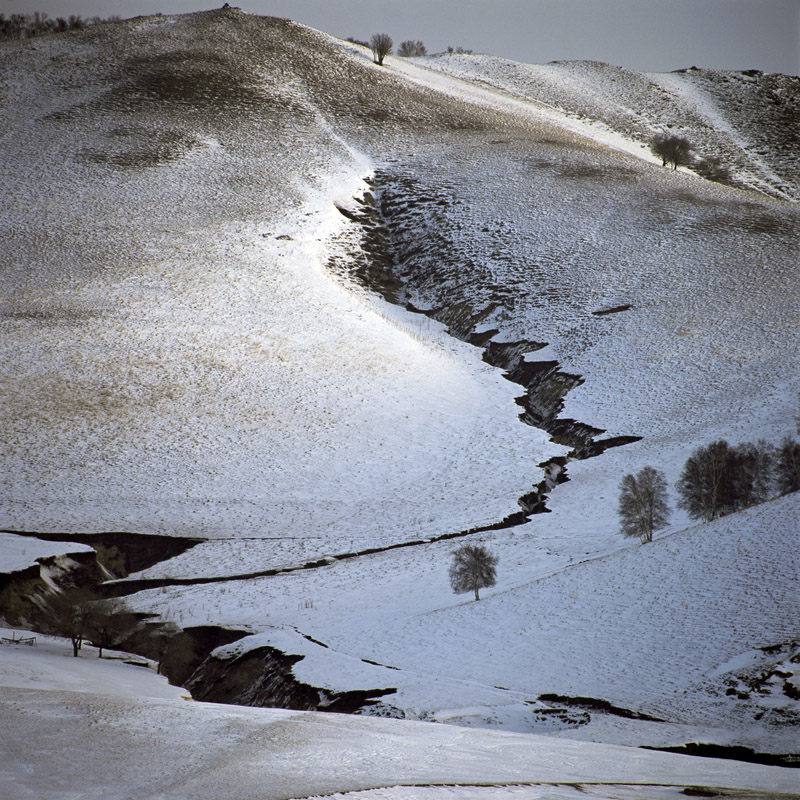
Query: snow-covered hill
[191, 347]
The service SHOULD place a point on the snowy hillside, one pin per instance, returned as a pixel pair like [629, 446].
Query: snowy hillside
[259, 291]
[749, 119]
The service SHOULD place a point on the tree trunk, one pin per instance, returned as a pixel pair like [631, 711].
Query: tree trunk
[476, 593]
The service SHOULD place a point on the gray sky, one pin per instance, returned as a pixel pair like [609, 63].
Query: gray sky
[650, 35]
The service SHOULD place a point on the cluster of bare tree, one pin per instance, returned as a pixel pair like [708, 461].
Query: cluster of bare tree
[411, 49]
[717, 479]
[24, 26]
[381, 45]
[677, 151]
[76, 615]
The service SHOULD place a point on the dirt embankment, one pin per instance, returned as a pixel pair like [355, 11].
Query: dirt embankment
[260, 677]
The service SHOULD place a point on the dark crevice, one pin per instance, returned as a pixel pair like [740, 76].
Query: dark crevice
[735, 752]
[597, 704]
[383, 247]
[615, 310]
[259, 677]
[263, 677]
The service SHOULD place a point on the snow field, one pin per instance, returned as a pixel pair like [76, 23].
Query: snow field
[187, 365]
[50, 666]
[559, 620]
[19, 552]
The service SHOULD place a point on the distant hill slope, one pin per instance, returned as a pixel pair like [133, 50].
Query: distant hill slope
[174, 356]
[750, 120]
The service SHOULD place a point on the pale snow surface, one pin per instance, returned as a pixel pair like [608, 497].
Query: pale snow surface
[177, 360]
[19, 552]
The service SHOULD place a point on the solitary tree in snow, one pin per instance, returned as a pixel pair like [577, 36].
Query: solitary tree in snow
[381, 44]
[673, 150]
[643, 503]
[473, 568]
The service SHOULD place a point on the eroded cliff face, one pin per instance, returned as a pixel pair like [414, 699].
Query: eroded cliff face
[263, 677]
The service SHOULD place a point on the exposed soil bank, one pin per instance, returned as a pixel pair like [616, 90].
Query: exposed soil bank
[122, 552]
[261, 677]
[21, 591]
[735, 753]
[596, 704]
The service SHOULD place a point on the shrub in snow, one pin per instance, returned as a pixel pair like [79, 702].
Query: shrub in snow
[381, 44]
[409, 49]
[643, 504]
[473, 568]
[675, 150]
[712, 169]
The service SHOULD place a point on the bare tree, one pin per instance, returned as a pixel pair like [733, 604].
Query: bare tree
[753, 474]
[109, 622]
[410, 49]
[381, 44]
[719, 479]
[66, 613]
[704, 482]
[473, 568]
[643, 504]
[787, 468]
[671, 149]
